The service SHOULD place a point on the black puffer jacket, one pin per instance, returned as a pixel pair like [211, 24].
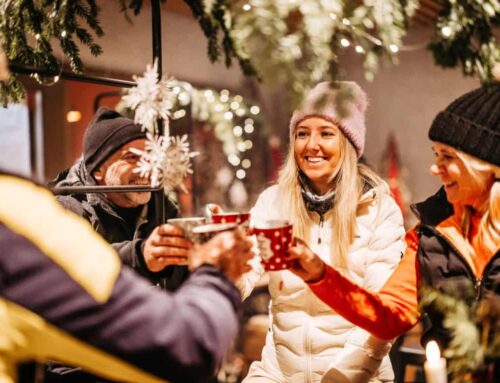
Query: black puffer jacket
[442, 264]
[127, 239]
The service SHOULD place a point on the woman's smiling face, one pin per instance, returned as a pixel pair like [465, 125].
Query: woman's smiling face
[317, 151]
[461, 186]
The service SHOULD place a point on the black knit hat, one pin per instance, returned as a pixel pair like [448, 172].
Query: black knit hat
[471, 124]
[105, 134]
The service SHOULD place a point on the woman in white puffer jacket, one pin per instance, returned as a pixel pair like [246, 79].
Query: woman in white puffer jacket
[345, 214]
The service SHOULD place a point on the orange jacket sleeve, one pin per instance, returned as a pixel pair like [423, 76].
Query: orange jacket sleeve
[387, 313]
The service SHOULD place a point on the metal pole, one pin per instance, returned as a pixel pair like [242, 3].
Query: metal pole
[103, 189]
[158, 197]
[21, 69]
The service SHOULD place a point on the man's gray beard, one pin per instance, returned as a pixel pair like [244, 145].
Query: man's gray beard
[113, 179]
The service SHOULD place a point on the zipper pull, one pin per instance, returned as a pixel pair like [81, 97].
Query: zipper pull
[477, 286]
[320, 228]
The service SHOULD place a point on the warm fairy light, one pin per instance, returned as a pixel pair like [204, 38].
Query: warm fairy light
[234, 105]
[346, 21]
[344, 42]
[73, 116]
[179, 113]
[248, 144]
[247, 7]
[246, 163]
[255, 110]
[446, 31]
[241, 146]
[228, 115]
[394, 48]
[233, 159]
[238, 131]
[359, 49]
[333, 16]
[240, 174]
[249, 128]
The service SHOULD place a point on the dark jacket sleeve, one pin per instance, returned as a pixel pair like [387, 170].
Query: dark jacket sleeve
[179, 336]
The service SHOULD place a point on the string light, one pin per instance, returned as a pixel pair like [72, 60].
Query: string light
[228, 115]
[248, 144]
[240, 173]
[233, 159]
[333, 16]
[359, 49]
[344, 42]
[446, 31]
[241, 146]
[238, 132]
[247, 7]
[246, 163]
[179, 114]
[255, 110]
[394, 48]
[234, 105]
[249, 128]
[63, 34]
[240, 112]
[346, 21]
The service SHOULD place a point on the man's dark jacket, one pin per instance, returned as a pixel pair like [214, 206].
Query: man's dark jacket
[127, 239]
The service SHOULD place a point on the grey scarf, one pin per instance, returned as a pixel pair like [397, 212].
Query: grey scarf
[320, 204]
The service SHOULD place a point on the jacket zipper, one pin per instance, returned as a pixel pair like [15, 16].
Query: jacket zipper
[320, 228]
[479, 284]
[477, 281]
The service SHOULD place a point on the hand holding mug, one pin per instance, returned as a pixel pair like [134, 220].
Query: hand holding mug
[166, 246]
[229, 251]
[305, 263]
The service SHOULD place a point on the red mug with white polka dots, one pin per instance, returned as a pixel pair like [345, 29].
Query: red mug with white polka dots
[239, 218]
[273, 239]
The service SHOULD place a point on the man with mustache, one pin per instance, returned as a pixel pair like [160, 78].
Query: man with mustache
[124, 219]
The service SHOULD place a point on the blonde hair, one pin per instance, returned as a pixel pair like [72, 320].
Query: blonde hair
[349, 179]
[489, 227]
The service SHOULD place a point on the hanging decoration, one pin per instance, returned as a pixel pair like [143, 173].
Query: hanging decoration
[464, 36]
[165, 160]
[298, 42]
[230, 116]
[294, 43]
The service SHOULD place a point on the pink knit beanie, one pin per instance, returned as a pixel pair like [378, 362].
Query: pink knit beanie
[343, 103]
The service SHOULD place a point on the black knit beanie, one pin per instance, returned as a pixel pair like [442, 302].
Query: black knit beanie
[105, 134]
[471, 124]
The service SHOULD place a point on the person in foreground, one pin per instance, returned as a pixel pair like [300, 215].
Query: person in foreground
[457, 240]
[124, 219]
[344, 212]
[65, 296]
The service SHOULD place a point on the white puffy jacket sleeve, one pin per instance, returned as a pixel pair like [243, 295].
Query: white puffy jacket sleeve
[362, 354]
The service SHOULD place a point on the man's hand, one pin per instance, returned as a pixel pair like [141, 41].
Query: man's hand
[306, 264]
[229, 251]
[166, 246]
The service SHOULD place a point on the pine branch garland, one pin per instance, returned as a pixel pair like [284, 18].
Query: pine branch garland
[293, 43]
